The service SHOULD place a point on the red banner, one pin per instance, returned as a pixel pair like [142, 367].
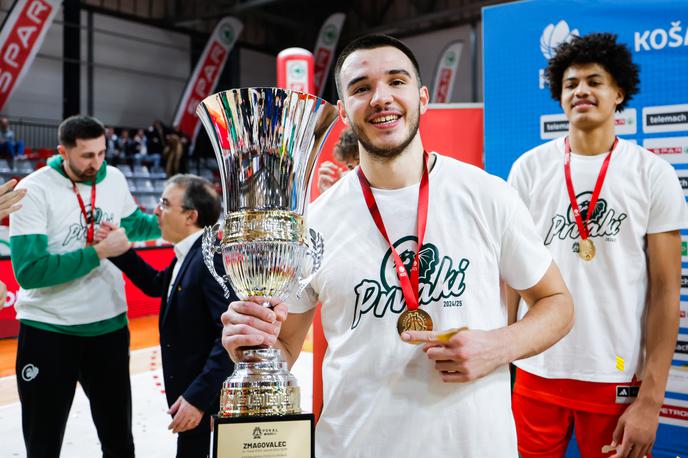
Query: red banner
[20, 39]
[138, 303]
[206, 74]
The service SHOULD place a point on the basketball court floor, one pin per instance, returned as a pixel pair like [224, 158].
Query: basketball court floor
[150, 420]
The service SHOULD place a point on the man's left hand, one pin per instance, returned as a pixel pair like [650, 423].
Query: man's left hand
[635, 431]
[467, 356]
[185, 416]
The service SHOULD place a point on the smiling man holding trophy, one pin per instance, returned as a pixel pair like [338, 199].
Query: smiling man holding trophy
[415, 241]
[266, 142]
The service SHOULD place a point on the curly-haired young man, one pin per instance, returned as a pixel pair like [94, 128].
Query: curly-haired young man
[610, 213]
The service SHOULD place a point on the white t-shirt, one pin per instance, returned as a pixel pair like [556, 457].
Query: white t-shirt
[383, 397]
[50, 208]
[641, 195]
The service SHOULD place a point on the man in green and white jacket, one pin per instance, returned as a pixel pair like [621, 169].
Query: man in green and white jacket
[71, 305]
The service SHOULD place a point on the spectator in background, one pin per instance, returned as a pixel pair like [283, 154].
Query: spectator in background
[173, 154]
[156, 138]
[127, 147]
[186, 149]
[142, 154]
[9, 146]
[112, 152]
[346, 152]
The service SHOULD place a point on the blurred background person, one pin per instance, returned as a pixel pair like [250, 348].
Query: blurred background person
[346, 152]
[9, 145]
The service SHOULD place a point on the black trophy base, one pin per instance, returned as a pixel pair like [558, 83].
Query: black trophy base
[287, 436]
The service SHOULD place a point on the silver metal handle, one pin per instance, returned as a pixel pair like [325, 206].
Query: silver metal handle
[316, 248]
[211, 246]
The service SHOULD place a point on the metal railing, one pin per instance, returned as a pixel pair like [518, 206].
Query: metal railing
[35, 134]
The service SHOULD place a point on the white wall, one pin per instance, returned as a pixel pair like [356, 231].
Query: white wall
[139, 74]
[257, 68]
[427, 49]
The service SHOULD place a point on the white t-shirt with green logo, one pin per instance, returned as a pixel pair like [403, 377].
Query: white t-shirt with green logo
[641, 195]
[50, 209]
[383, 397]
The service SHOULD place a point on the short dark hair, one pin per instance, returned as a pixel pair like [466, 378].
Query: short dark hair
[347, 145]
[199, 195]
[595, 48]
[79, 127]
[372, 42]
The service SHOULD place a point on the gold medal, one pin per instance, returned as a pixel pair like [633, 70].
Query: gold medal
[414, 320]
[586, 249]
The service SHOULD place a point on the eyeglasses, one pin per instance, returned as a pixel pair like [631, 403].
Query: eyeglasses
[163, 204]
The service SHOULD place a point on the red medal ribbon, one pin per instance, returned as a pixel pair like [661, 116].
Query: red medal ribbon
[409, 287]
[90, 221]
[583, 228]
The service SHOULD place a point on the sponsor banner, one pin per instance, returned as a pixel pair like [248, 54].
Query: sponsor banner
[445, 73]
[673, 149]
[681, 351]
[682, 175]
[517, 107]
[684, 248]
[678, 379]
[21, 36]
[324, 50]
[684, 282]
[666, 118]
[674, 412]
[206, 74]
[556, 125]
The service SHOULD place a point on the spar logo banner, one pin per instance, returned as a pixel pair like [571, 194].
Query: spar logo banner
[206, 74]
[445, 74]
[324, 50]
[21, 37]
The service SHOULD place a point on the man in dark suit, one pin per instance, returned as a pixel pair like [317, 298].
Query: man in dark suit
[193, 360]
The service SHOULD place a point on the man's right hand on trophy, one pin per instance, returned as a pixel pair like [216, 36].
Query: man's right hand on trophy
[249, 323]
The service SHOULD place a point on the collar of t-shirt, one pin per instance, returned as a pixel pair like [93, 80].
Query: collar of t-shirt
[181, 249]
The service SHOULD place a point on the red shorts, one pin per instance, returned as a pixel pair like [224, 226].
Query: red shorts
[546, 411]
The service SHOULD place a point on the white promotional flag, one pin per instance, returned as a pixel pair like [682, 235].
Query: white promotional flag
[21, 37]
[446, 73]
[206, 74]
[325, 48]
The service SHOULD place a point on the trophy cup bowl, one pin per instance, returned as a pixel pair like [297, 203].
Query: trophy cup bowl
[266, 142]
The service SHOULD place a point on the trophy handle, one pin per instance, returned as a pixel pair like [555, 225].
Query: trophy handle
[210, 247]
[316, 248]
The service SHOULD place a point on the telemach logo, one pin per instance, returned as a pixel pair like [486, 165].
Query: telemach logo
[556, 126]
[667, 118]
[604, 221]
[681, 347]
[440, 279]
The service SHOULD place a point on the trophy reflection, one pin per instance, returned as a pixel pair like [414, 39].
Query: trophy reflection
[266, 142]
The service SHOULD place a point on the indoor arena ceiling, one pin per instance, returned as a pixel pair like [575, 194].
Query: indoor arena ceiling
[270, 25]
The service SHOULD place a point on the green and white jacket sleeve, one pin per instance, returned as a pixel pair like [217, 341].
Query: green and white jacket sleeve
[140, 226]
[34, 266]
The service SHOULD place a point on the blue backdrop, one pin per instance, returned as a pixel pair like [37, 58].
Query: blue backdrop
[520, 114]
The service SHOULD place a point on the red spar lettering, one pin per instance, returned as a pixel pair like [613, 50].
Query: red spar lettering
[20, 41]
[35, 9]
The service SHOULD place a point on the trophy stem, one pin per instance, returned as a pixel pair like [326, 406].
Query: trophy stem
[260, 385]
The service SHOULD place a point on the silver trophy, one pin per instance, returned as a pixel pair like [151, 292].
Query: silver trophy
[266, 143]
